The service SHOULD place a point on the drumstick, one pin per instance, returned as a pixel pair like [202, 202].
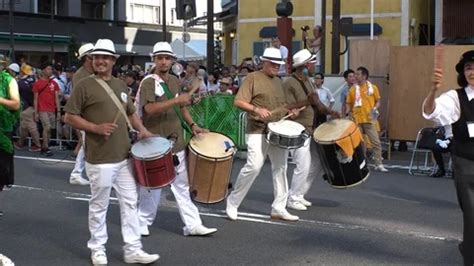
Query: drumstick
[290, 114]
[116, 118]
[438, 56]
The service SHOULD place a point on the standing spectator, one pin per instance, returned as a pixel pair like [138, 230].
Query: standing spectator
[46, 104]
[224, 88]
[276, 43]
[27, 121]
[212, 84]
[9, 115]
[363, 101]
[349, 77]
[314, 44]
[60, 78]
[14, 69]
[325, 96]
[130, 78]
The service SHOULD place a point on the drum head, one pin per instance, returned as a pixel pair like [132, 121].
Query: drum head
[334, 130]
[151, 148]
[212, 145]
[286, 128]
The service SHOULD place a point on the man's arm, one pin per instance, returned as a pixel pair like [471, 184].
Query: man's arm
[163, 106]
[13, 103]
[78, 122]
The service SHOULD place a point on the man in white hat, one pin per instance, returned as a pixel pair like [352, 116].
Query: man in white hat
[91, 108]
[163, 114]
[298, 88]
[261, 96]
[84, 71]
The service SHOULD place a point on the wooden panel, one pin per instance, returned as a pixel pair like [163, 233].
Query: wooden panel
[457, 19]
[411, 70]
[374, 55]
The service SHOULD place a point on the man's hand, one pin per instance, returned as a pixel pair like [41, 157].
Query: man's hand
[105, 129]
[144, 133]
[184, 99]
[197, 130]
[262, 112]
[335, 115]
[437, 78]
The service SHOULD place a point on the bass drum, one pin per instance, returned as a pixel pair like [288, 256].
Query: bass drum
[339, 144]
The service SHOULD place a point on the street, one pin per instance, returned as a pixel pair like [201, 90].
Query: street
[392, 218]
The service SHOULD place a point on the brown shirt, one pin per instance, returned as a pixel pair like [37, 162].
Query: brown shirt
[91, 101]
[294, 93]
[262, 91]
[167, 123]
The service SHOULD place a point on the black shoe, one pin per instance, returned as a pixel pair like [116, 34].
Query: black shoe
[47, 152]
[402, 146]
[439, 173]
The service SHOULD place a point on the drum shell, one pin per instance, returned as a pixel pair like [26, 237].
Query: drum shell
[153, 173]
[208, 177]
[286, 142]
[343, 175]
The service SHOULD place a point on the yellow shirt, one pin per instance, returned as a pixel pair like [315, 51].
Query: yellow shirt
[362, 114]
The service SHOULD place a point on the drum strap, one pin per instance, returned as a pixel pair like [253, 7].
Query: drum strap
[114, 98]
[176, 109]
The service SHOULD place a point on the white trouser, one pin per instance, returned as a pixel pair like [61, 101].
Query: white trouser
[257, 150]
[104, 177]
[150, 198]
[308, 166]
[80, 160]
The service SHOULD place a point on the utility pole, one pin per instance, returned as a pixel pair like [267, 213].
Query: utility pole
[336, 46]
[12, 39]
[52, 30]
[322, 63]
[163, 21]
[210, 35]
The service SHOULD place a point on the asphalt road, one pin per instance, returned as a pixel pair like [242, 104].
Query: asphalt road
[392, 218]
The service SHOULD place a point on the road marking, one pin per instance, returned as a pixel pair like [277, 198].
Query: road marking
[45, 159]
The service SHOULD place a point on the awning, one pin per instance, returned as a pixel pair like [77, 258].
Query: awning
[36, 38]
[189, 51]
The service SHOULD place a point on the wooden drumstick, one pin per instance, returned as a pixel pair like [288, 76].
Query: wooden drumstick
[290, 114]
[438, 56]
[116, 118]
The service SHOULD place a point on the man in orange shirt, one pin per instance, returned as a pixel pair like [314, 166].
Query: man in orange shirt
[363, 101]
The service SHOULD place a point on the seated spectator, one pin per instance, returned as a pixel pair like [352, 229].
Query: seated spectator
[224, 88]
[442, 145]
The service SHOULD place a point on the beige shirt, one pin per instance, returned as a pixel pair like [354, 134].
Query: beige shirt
[91, 101]
[262, 91]
[167, 123]
[294, 93]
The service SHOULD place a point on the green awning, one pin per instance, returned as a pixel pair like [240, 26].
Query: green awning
[35, 38]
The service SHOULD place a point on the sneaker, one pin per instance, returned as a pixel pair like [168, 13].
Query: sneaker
[296, 205]
[199, 230]
[144, 230]
[305, 202]
[380, 168]
[18, 146]
[284, 215]
[141, 257]
[231, 211]
[439, 173]
[47, 152]
[99, 258]
[34, 148]
[77, 180]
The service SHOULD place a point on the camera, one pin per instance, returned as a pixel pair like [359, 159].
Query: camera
[305, 28]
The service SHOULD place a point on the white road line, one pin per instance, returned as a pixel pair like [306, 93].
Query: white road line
[45, 159]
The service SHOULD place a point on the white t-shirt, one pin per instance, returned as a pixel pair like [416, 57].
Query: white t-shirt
[284, 55]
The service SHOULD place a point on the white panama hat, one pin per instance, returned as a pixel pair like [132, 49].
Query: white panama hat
[84, 50]
[14, 67]
[163, 48]
[104, 47]
[272, 55]
[303, 57]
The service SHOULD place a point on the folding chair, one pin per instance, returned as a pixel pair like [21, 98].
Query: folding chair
[425, 141]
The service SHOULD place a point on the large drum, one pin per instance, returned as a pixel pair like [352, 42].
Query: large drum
[209, 166]
[153, 162]
[339, 143]
[286, 134]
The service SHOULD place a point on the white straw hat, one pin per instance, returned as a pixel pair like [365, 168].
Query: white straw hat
[163, 48]
[104, 47]
[85, 49]
[303, 57]
[272, 55]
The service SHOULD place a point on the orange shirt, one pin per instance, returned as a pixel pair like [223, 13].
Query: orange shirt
[362, 114]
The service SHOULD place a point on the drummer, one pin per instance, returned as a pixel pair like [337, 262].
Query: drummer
[166, 116]
[91, 109]
[261, 95]
[298, 88]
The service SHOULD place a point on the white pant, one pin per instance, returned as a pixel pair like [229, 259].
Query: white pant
[308, 166]
[150, 198]
[257, 150]
[104, 177]
[80, 160]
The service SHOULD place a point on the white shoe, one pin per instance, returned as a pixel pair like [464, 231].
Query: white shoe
[296, 205]
[380, 168]
[77, 180]
[141, 257]
[231, 211]
[144, 230]
[99, 258]
[199, 230]
[305, 202]
[284, 215]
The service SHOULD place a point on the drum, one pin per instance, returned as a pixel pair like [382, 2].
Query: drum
[286, 134]
[153, 162]
[339, 144]
[209, 166]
